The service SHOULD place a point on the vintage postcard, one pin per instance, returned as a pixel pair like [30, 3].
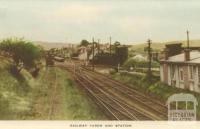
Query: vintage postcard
[99, 63]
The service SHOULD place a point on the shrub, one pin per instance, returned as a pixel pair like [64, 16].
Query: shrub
[23, 53]
[112, 71]
[139, 64]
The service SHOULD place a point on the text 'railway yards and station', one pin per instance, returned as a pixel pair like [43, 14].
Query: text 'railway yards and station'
[118, 101]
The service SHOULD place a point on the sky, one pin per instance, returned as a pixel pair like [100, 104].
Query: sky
[126, 21]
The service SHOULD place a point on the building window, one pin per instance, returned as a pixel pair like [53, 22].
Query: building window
[172, 72]
[191, 72]
[173, 77]
[199, 73]
[181, 74]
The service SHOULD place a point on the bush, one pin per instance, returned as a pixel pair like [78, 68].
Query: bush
[23, 53]
[113, 71]
[139, 64]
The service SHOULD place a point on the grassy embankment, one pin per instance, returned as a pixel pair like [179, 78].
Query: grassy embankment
[157, 89]
[30, 98]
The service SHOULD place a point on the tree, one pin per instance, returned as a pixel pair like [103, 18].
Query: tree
[117, 43]
[24, 53]
[84, 43]
[147, 48]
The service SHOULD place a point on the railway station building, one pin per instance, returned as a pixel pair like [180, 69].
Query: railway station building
[181, 70]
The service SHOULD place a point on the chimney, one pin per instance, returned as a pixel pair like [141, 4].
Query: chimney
[187, 54]
[166, 54]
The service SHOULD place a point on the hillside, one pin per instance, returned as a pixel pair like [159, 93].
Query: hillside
[49, 45]
[48, 96]
[14, 96]
[139, 48]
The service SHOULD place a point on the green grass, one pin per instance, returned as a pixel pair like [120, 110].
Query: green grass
[71, 103]
[13, 93]
[30, 98]
[79, 108]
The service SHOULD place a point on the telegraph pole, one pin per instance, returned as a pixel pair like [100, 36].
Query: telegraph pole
[93, 53]
[149, 74]
[98, 45]
[188, 40]
[110, 44]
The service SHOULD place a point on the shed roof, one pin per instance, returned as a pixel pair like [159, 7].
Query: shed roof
[180, 58]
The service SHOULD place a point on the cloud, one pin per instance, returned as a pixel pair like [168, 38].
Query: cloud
[75, 13]
[135, 24]
[124, 20]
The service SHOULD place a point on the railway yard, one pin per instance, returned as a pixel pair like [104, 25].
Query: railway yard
[115, 99]
[70, 90]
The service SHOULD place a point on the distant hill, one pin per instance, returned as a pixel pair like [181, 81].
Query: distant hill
[160, 46]
[49, 45]
[157, 46]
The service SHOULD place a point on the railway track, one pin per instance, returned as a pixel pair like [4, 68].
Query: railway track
[108, 108]
[118, 109]
[119, 102]
[145, 101]
[48, 110]
[51, 111]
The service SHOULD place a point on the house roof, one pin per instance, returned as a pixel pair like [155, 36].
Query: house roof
[180, 58]
[139, 57]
